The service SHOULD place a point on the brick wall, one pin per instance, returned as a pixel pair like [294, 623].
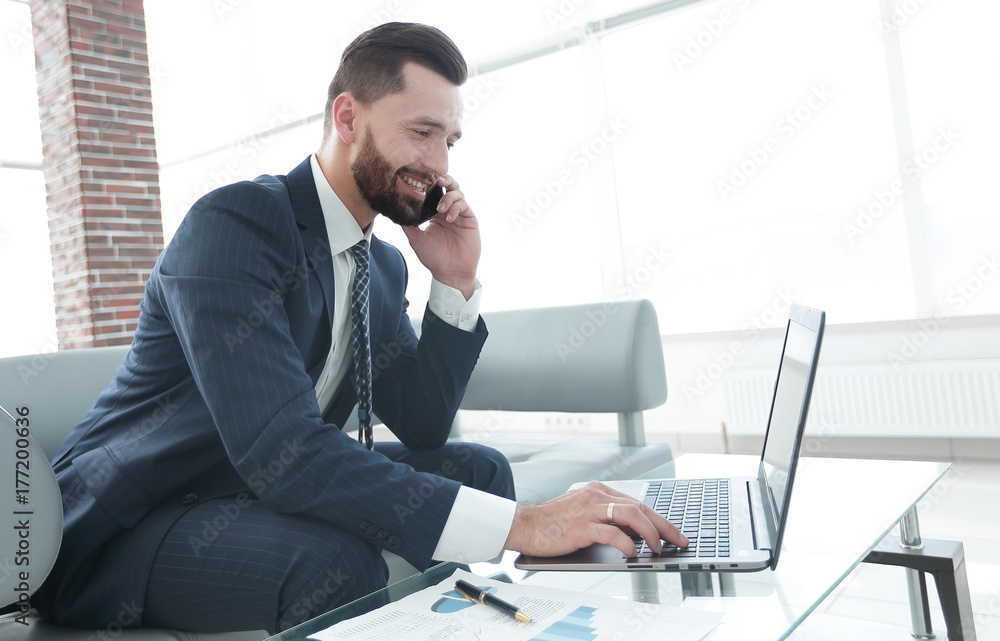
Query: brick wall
[101, 174]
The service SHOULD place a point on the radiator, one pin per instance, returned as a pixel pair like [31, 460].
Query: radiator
[926, 398]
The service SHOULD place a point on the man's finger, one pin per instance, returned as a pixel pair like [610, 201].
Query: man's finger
[630, 515]
[611, 535]
[453, 205]
[644, 520]
[668, 530]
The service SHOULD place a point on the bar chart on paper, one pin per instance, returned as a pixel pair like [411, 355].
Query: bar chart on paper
[575, 626]
[440, 612]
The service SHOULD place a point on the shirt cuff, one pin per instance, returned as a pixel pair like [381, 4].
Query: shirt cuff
[450, 306]
[477, 527]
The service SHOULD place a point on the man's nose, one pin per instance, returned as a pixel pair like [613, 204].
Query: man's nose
[437, 159]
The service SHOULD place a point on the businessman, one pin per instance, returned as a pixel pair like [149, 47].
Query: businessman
[211, 488]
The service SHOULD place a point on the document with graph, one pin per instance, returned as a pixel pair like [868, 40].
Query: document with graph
[442, 613]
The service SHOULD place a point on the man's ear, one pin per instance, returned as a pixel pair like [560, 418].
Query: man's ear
[345, 112]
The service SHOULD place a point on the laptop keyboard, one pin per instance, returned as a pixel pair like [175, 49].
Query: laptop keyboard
[700, 508]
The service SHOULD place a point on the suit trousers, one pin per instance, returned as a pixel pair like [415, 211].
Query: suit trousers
[231, 564]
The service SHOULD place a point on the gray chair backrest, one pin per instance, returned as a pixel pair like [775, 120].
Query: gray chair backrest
[49, 394]
[600, 357]
[58, 388]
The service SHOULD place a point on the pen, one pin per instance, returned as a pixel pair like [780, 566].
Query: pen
[487, 598]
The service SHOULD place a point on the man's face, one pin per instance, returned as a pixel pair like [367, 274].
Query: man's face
[404, 146]
[377, 181]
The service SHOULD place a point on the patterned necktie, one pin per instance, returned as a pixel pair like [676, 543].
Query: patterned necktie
[362, 343]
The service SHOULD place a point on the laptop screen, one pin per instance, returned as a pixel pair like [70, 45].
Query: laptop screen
[790, 405]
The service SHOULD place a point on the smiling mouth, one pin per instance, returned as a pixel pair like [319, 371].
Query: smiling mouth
[418, 186]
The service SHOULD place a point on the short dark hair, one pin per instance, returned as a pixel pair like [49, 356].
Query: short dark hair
[371, 67]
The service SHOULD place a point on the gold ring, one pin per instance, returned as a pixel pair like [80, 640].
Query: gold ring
[611, 513]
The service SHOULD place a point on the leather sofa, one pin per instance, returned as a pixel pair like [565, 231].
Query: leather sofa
[596, 358]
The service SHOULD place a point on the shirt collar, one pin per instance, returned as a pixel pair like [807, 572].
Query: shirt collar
[341, 228]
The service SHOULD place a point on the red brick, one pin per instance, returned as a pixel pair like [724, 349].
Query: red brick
[135, 66]
[97, 252]
[109, 328]
[133, 151]
[138, 252]
[141, 164]
[92, 98]
[133, 188]
[128, 301]
[113, 88]
[106, 162]
[91, 110]
[119, 175]
[127, 314]
[94, 149]
[131, 114]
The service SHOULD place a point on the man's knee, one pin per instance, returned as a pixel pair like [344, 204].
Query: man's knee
[326, 582]
[481, 467]
[471, 464]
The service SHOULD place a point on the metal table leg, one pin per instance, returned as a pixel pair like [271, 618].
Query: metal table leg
[727, 584]
[916, 582]
[697, 584]
[945, 561]
[645, 588]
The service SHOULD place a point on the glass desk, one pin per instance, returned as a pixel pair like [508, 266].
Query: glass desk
[840, 510]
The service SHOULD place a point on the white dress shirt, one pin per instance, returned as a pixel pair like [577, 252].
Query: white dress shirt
[479, 522]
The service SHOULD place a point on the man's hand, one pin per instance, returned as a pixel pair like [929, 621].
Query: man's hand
[449, 246]
[580, 517]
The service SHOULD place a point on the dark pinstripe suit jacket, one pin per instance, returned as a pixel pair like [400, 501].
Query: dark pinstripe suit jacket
[217, 397]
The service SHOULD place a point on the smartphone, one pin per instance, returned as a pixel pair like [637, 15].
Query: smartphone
[431, 200]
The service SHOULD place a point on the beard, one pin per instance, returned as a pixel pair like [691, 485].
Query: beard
[376, 181]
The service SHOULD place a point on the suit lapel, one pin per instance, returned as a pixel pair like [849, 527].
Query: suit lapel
[309, 215]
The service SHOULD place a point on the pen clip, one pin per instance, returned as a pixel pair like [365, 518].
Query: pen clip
[474, 595]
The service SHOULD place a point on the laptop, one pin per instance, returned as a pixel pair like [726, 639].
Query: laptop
[734, 524]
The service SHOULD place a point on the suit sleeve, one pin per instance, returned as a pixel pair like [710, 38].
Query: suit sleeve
[419, 385]
[238, 265]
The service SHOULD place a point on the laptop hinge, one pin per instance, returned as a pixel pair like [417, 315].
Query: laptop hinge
[758, 518]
